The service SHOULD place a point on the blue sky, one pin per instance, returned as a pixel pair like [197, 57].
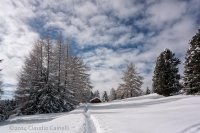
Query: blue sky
[107, 34]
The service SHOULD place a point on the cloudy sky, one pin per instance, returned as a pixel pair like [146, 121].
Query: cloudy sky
[108, 34]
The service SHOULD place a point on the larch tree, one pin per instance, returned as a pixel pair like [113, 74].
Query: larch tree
[166, 77]
[192, 66]
[51, 80]
[112, 95]
[132, 83]
[31, 80]
[80, 79]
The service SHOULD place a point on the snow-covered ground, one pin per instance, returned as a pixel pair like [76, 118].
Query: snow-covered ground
[145, 114]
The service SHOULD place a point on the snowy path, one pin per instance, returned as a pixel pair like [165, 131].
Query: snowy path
[89, 124]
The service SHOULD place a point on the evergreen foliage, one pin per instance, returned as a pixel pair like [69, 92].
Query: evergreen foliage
[3, 112]
[166, 77]
[148, 91]
[1, 89]
[97, 94]
[192, 66]
[105, 97]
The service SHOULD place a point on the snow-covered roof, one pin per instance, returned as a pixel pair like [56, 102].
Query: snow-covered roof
[95, 98]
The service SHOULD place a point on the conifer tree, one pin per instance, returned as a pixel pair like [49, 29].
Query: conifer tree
[51, 80]
[148, 91]
[1, 89]
[132, 83]
[80, 78]
[92, 95]
[3, 112]
[192, 65]
[31, 80]
[166, 77]
[97, 94]
[112, 95]
[105, 97]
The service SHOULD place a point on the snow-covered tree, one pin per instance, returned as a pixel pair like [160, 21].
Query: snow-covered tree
[105, 97]
[148, 91]
[132, 83]
[51, 80]
[1, 89]
[80, 78]
[31, 80]
[97, 94]
[192, 65]
[120, 92]
[3, 112]
[166, 77]
[112, 95]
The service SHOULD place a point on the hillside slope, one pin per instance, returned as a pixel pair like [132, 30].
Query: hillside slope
[145, 114]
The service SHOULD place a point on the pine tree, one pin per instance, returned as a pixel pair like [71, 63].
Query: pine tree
[3, 112]
[166, 77]
[148, 91]
[133, 83]
[105, 97]
[92, 95]
[97, 94]
[192, 65]
[112, 95]
[1, 89]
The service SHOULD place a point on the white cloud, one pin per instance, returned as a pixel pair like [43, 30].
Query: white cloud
[120, 31]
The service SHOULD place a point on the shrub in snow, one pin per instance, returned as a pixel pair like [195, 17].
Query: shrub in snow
[166, 77]
[192, 66]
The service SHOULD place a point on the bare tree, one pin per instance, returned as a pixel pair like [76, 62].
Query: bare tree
[51, 80]
[132, 83]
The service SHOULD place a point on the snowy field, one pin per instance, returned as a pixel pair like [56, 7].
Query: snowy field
[145, 114]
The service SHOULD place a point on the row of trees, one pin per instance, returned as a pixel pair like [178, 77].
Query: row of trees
[166, 77]
[3, 112]
[115, 94]
[52, 80]
[130, 88]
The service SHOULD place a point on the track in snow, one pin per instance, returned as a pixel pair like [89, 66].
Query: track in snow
[89, 124]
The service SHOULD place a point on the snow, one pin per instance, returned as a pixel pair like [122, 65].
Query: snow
[197, 48]
[145, 114]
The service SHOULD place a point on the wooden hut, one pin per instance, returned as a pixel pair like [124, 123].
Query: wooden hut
[95, 100]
